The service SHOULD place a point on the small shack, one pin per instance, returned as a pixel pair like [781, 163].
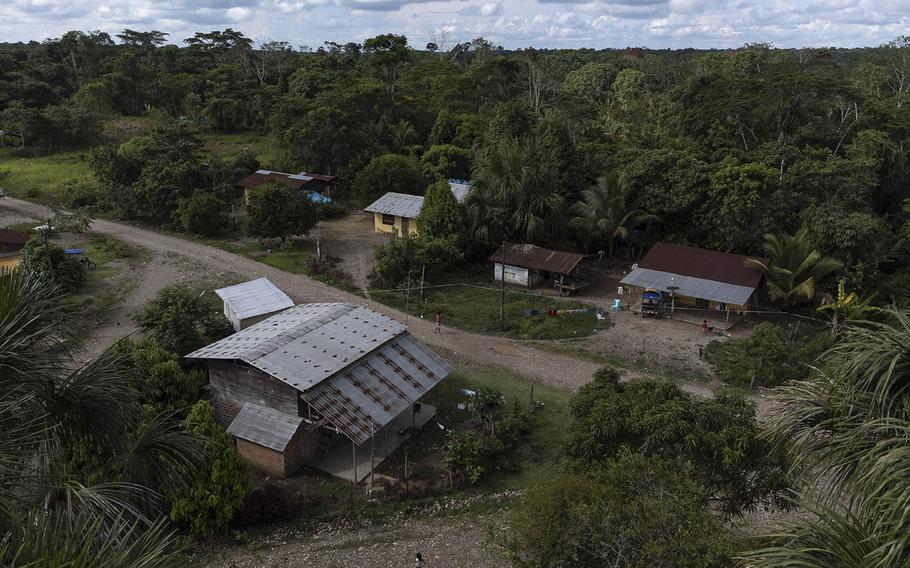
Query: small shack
[251, 302]
[317, 187]
[530, 265]
[696, 278]
[11, 244]
[290, 386]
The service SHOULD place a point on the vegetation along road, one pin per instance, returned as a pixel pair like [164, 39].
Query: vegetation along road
[549, 368]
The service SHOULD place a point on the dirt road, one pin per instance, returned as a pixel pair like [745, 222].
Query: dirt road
[554, 369]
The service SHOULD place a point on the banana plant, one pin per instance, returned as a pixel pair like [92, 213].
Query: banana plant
[846, 307]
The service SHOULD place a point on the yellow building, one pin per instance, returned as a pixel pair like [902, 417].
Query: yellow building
[396, 213]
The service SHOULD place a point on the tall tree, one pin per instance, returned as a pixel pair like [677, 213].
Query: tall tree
[794, 267]
[608, 212]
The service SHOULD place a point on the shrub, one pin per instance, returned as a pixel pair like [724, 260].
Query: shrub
[79, 193]
[180, 320]
[165, 386]
[277, 211]
[719, 437]
[641, 512]
[202, 214]
[269, 504]
[772, 354]
[218, 492]
[69, 273]
[462, 454]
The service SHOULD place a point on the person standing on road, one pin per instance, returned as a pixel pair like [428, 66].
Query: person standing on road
[438, 322]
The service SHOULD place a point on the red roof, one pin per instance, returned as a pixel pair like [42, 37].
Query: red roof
[538, 258]
[702, 263]
[11, 237]
[294, 181]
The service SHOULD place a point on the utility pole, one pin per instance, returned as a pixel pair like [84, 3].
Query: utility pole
[47, 249]
[502, 289]
[407, 299]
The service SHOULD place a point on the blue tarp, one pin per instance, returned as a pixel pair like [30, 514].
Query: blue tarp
[74, 251]
[317, 197]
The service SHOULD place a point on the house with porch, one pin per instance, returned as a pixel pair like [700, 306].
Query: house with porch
[396, 213]
[696, 278]
[328, 385]
[531, 265]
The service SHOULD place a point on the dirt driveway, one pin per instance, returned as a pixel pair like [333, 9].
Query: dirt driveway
[352, 239]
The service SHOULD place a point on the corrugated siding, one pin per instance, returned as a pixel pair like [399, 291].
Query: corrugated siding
[254, 298]
[689, 286]
[398, 204]
[265, 426]
[366, 397]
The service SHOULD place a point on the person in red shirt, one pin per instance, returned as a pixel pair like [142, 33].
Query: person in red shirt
[704, 327]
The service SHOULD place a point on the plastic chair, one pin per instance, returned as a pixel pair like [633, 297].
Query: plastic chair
[615, 307]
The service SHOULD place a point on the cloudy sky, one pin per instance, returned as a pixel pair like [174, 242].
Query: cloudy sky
[511, 23]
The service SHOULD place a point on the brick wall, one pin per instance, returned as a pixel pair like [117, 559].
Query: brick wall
[266, 459]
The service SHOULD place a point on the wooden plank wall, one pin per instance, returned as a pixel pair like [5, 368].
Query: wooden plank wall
[232, 385]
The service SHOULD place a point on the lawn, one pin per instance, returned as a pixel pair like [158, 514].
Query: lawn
[534, 457]
[40, 178]
[229, 145]
[470, 302]
[102, 292]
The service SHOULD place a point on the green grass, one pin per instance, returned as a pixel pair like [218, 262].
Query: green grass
[229, 145]
[472, 304]
[41, 178]
[536, 456]
[99, 295]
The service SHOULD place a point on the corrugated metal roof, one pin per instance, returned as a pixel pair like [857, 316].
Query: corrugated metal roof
[702, 263]
[295, 181]
[398, 204]
[254, 298]
[692, 287]
[460, 189]
[265, 426]
[306, 344]
[538, 258]
[379, 387]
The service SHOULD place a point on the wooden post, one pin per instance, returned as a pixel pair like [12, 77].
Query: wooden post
[406, 473]
[423, 272]
[354, 450]
[502, 289]
[372, 450]
[407, 299]
[727, 320]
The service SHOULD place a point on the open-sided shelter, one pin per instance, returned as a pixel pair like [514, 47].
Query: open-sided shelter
[696, 277]
[289, 384]
[528, 265]
[251, 302]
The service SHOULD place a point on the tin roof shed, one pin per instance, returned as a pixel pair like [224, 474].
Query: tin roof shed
[537, 258]
[265, 426]
[254, 298]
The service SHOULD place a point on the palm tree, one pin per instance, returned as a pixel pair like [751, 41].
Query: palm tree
[403, 136]
[607, 212]
[509, 197]
[851, 421]
[846, 308]
[53, 410]
[795, 267]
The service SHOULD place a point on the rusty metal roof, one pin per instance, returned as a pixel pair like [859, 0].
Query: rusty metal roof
[355, 366]
[295, 181]
[702, 263]
[364, 398]
[9, 236]
[538, 258]
[265, 426]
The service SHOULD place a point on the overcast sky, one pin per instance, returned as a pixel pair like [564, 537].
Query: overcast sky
[511, 23]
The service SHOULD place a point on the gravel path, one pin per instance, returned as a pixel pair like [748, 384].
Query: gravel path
[558, 370]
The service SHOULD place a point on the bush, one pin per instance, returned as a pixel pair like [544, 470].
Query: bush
[69, 273]
[327, 270]
[773, 354]
[269, 504]
[641, 512]
[79, 193]
[391, 172]
[165, 386]
[219, 491]
[181, 321]
[719, 437]
[462, 454]
[202, 214]
[277, 211]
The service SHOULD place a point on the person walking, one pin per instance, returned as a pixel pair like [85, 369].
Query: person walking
[438, 322]
[2, 194]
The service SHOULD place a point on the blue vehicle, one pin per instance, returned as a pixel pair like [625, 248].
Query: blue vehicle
[653, 303]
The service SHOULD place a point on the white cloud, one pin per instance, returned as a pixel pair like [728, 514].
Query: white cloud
[512, 23]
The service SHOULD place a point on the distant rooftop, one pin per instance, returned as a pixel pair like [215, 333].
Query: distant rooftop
[254, 298]
[398, 204]
[460, 189]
